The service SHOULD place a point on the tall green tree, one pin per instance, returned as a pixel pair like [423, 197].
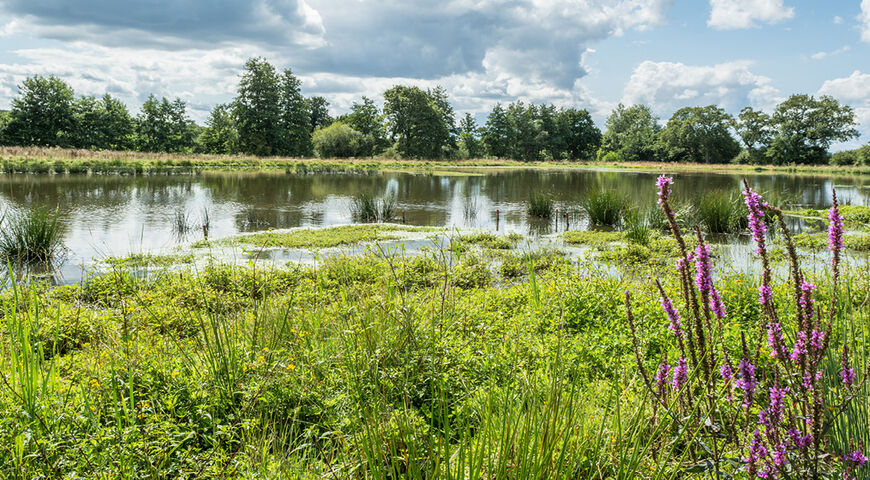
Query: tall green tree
[525, 144]
[578, 137]
[103, 124]
[365, 117]
[470, 145]
[220, 135]
[498, 132]
[417, 122]
[319, 111]
[631, 134]
[42, 114]
[163, 126]
[754, 127]
[701, 135]
[807, 126]
[295, 117]
[257, 109]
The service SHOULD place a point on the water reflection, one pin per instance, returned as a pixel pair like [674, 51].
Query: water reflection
[115, 215]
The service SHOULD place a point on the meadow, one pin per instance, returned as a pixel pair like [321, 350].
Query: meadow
[476, 360]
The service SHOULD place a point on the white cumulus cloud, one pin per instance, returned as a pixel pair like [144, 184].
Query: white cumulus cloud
[864, 18]
[669, 86]
[737, 14]
[853, 90]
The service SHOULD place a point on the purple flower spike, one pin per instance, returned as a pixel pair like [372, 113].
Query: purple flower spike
[746, 381]
[673, 315]
[756, 218]
[856, 458]
[764, 294]
[664, 183]
[806, 301]
[835, 231]
[704, 280]
[847, 373]
[680, 374]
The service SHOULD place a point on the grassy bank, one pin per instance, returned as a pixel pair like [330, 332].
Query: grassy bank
[36, 160]
[368, 367]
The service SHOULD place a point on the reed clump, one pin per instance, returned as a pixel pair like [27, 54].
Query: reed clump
[32, 235]
[541, 205]
[368, 209]
[604, 207]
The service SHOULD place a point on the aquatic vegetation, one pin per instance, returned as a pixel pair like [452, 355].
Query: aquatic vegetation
[591, 237]
[720, 212]
[31, 235]
[366, 208]
[487, 240]
[604, 207]
[325, 237]
[638, 226]
[541, 205]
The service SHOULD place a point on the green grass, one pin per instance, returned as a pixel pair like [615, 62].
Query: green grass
[150, 260]
[32, 235]
[541, 205]
[367, 208]
[604, 207]
[855, 217]
[638, 226]
[488, 240]
[819, 241]
[721, 212]
[591, 237]
[326, 237]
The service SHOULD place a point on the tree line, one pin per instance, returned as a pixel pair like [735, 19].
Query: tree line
[270, 116]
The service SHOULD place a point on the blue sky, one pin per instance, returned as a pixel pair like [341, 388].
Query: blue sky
[586, 53]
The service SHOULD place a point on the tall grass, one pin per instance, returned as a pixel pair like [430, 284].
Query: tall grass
[638, 225]
[721, 212]
[32, 235]
[541, 205]
[367, 208]
[604, 207]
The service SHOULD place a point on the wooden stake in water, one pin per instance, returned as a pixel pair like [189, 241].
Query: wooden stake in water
[403, 216]
[557, 220]
[567, 226]
[496, 219]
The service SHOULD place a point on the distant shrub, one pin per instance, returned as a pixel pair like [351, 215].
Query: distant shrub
[339, 141]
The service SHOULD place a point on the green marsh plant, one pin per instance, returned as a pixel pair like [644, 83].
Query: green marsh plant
[31, 236]
[604, 207]
[541, 205]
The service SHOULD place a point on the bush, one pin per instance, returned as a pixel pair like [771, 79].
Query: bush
[339, 141]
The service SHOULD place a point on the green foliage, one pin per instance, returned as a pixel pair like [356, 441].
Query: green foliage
[858, 156]
[637, 225]
[755, 129]
[365, 118]
[163, 126]
[340, 141]
[32, 235]
[632, 134]
[43, 114]
[721, 212]
[323, 237]
[700, 135]
[592, 237]
[367, 208]
[420, 122]
[806, 127]
[604, 207]
[541, 205]
[220, 134]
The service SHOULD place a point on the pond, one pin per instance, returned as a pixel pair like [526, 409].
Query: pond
[120, 215]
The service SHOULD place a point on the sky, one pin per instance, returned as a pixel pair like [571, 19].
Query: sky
[591, 54]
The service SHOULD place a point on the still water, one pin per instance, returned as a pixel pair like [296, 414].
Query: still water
[119, 215]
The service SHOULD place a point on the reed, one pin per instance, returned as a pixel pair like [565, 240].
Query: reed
[541, 205]
[33, 235]
[367, 208]
[604, 207]
[721, 212]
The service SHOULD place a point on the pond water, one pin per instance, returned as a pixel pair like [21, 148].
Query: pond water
[119, 215]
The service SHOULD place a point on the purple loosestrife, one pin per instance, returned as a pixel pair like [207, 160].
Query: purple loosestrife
[771, 417]
[835, 230]
[799, 441]
[775, 341]
[764, 293]
[756, 218]
[847, 373]
[664, 184]
[806, 301]
[675, 326]
[680, 374]
[704, 280]
[662, 380]
[746, 381]
[855, 459]
[757, 455]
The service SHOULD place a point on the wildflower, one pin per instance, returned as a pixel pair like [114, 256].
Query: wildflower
[757, 454]
[756, 218]
[673, 315]
[662, 379]
[704, 279]
[764, 293]
[775, 341]
[817, 339]
[680, 374]
[290, 366]
[806, 301]
[856, 458]
[800, 441]
[747, 381]
[664, 183]
[847, 373]
[800, 347]
[771, 417]
[835, 230]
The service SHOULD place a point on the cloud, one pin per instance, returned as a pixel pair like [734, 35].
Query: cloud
[838, 19]
[864, 18]
[482, 51]
[853, 90]
[738, 14]
[823, 55]
[668, 86]
[171, 24]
